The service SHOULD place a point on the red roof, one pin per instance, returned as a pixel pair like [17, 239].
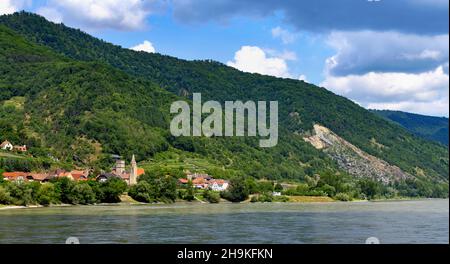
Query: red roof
[15, 174]
[140, 171]
[184, 181]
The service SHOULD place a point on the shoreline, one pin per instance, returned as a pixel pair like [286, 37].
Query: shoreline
[126, 204]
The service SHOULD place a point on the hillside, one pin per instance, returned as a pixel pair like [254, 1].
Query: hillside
[428, 127]
[84, 98]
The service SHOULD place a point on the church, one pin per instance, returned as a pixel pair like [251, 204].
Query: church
[119, 170]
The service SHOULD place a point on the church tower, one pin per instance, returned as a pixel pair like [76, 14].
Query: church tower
[133, 172]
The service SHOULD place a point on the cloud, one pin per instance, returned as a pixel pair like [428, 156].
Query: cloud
[302, 77]
[365, 51]
[11, 6]
[113, 14]
[425, 93]
[146, 46]
[254, 60]
[51, 14]
[283, 34]
[411, 16]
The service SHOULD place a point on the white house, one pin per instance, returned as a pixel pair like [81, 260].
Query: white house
[218, 185]
[6, 145]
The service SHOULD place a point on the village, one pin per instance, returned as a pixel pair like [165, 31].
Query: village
[130, 176]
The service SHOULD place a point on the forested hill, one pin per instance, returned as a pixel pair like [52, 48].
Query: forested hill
[428, 127]
[80, 98]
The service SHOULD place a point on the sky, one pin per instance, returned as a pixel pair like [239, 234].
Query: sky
[382, 54]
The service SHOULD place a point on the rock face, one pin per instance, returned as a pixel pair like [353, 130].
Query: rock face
[352, 159]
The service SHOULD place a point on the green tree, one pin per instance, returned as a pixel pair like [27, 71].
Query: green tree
[190, 192]
[237, 191]
[63, 187]
[142, 192]
[278, 187]
[82, 193]
[112, 189]
[47, 195]
[5, 198]
[211, 196]
[369, 188]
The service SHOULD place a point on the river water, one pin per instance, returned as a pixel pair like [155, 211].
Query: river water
[422, 221]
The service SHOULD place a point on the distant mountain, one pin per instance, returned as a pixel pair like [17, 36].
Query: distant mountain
[427, 127]
[79, 99]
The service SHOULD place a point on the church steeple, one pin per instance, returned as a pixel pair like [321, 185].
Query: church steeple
[133, 172]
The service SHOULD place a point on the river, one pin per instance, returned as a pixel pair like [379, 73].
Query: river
[421, 221]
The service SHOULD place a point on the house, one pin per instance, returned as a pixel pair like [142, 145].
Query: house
[105, 176]
[64, 174]
[218, 185]
[6, 145]
[78, 175]
[183, 181]
[16, 176]
[40, 177]
[21, 148]
[200, 183]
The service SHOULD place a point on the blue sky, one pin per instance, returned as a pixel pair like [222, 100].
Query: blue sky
[382, 54]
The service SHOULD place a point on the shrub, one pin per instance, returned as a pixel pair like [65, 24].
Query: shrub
[265, 198]
[82, 193]
[237, 192]
[189, 194]
[282, 199]
[142, 192]
[21, 193]
[342, 197]
[112, 189]
[5, 198]
[211, 196]
[47, 195]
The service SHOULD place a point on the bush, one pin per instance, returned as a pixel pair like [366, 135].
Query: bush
[254, 199]
[327, 189]
[189, 194]
[237, 192]
[211, 196]
[278, 187]
[282, 199]
[64, 186]
[5, 198]
[155, 188]
[265, 198]
[82, 193]
[342, 197]
[47, 195]
[112, 189]
[21, 193]
[142, 192]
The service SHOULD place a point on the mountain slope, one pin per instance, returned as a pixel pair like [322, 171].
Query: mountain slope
[428, 127]
[96, 94]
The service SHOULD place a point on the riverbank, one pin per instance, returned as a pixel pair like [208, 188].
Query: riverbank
[128, 201]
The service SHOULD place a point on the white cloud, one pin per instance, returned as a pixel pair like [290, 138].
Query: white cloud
[285, 55]
[302, 77]
[115, 14]
[146, 46]
[254, 60]
[51, 14]
[426, 92]
[283, 34]
[360, 52]
[11, 6]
